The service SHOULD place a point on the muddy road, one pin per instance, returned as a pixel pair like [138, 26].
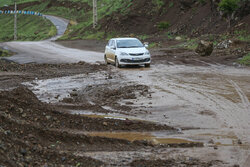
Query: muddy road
[63, 106]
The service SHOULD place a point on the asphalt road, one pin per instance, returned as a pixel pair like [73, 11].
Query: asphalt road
[49, 52]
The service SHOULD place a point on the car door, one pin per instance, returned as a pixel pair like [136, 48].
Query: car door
[107, 50]
[112, 50]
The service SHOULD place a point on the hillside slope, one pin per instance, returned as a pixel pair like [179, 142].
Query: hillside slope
[30, 28]
[144, 17]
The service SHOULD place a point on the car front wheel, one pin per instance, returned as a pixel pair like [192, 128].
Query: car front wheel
[117, 63]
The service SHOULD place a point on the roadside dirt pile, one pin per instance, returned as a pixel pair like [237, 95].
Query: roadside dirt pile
[34, 133]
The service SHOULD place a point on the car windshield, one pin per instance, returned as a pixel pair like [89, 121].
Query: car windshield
[131, 43]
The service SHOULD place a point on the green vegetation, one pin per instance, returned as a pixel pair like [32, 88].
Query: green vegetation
[245, 60]
[229, 6]
[158, 4]
[4, 53]
[163, 25]
[171, 4]
[29, 28]
[152, 45]
[242, 35]
[202, 2]
[82, 17]
[9, 2]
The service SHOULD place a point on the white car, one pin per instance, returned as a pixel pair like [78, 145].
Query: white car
[127, 51]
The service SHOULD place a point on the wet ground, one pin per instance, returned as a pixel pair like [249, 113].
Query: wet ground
[207, 105]
[185, 110]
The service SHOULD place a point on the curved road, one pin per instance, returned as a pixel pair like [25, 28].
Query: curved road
[48, 51]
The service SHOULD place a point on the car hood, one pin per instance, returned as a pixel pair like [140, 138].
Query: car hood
[132, 50]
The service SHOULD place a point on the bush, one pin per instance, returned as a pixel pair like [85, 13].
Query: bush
[163, 25]
[245, 60]
[229, 6]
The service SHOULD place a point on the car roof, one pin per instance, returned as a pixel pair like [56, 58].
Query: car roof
[127, 38]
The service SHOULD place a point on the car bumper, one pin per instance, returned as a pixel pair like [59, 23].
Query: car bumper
[134, 60]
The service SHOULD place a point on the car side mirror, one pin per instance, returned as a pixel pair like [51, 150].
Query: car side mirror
[146, 44]
[113, 47]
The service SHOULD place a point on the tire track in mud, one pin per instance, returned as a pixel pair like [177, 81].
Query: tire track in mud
[189, 90]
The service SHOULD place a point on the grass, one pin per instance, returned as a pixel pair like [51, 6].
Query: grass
[10, 2]
[5, 53]
[30, 28]
[245, 60]
[242, 35]
[83, 18]
[163, 25]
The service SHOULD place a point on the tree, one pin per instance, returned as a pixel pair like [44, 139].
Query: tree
[229, 7]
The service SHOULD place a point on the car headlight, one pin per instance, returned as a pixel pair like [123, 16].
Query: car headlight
[147, 53]
[123, 54]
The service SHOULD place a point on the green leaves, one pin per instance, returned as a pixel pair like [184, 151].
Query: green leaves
[229, 6]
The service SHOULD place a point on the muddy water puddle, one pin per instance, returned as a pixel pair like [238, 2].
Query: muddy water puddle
[150, 137]
[56, 89]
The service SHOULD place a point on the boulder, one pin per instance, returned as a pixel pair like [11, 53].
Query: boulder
[204, 48]
[224, 44]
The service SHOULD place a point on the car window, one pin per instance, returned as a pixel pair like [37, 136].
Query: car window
[109, 43]
[112, 43]
[131, 43]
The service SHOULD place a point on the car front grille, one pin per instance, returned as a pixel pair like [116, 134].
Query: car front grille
[135, 61]
[136, 54]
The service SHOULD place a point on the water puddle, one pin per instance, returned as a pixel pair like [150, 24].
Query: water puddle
[150, 137]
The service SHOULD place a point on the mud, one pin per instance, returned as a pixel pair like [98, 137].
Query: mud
[97, 115]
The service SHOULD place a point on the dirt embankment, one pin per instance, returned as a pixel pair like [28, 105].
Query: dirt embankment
[185, 17]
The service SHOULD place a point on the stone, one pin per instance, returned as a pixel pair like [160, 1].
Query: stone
[224, 44]
[204, 48]
[23, 151]
[105, 123]
[178, 38]
[48, 117]
[20, 110]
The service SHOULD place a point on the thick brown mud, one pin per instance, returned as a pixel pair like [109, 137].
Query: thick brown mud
[194, 115]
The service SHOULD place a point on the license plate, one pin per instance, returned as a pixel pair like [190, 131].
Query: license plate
[136, 58]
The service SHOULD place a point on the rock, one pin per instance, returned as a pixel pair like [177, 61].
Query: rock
[2, 147]
[63, 158]
[23, 151]
[105, 123]
[204, 48]
[224, 44]
[178, 38]
[211, 141]
[73, 94]
[20, 110]
[48, 117]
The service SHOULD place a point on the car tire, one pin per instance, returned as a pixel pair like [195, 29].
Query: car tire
[147, 65]
[117, 63]
[106, 61]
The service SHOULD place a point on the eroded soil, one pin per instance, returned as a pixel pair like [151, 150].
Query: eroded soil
[177, 113]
